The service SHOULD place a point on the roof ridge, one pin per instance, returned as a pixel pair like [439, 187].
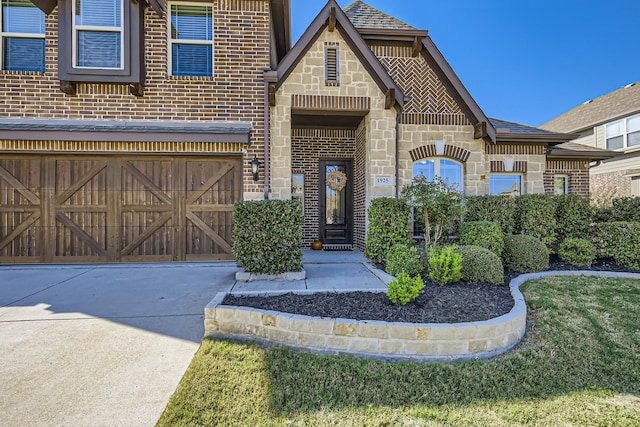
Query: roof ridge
[364, 15]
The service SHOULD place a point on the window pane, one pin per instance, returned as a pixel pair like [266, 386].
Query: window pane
[21, 16]
[614, 129]
[98, 49]
[505, 185]
[615, 143]
[23, 54]
[451, 172]
[98, 13]
[560, 185]
[425, 168]
[633, 124]
[633, 139]
[191, 22]
[192, 60]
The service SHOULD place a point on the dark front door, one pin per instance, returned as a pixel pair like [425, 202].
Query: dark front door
[336, 202]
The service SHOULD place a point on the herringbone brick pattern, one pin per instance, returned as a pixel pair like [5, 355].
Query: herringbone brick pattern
[429, 102]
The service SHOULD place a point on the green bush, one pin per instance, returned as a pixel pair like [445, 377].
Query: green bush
[620, 241]
[602, 213]
[500, 209]
[578, 252]
[388, 226]
[626, 209]
[486, 234]
[445, 265]
[403, 258]
[536, 217]
[480, 265]
[267, 236]
[404, 289]
[525, 254]
[573, 216]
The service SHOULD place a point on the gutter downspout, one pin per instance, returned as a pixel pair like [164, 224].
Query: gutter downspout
[269, 77]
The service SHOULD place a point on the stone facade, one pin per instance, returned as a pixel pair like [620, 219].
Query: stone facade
[235, 92]
[308, 78]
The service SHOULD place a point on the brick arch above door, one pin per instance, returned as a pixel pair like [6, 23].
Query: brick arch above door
[450, 152]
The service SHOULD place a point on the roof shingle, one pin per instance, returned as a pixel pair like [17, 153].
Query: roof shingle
[503, 126]
[622, 102]
[364, 16]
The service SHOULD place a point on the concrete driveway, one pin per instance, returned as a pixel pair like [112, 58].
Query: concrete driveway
[99, 345]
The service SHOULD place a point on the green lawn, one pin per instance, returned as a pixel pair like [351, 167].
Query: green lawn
[579, 365]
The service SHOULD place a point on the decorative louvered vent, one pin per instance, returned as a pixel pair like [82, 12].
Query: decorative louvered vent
[332, 66]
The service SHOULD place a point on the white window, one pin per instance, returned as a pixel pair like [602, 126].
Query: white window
[448, 170]
[191, 40]
[635, 186]
[98, 34]
[623, 133]
[560, 184]
[297, 188]
[505, 184]
[22, 36]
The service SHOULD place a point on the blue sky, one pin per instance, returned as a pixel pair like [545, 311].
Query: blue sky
[526, 61]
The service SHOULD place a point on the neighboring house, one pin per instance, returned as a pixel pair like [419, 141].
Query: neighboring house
[129, 128]
[610, 122]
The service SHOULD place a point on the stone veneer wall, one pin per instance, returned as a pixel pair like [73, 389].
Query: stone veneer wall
[536, 160]
[576, 170]
[308, 147]
[475, 168]
[308, 78]
[234, 93]
[360, 189]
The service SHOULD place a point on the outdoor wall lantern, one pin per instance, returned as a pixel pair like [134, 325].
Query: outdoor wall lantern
[255, 166]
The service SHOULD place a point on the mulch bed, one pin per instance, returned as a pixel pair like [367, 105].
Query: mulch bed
[453, 303]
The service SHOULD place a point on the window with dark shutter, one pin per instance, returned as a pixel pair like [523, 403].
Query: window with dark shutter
[332, 66]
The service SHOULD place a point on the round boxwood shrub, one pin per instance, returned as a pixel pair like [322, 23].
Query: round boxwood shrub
[404, 258]
[486, 234]
[576, 251]
[480, 265]
[525, 254]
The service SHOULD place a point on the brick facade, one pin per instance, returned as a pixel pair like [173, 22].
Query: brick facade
[576, 170]
[309, 146]
[235, 92]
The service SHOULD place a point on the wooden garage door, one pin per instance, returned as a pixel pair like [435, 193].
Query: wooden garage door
[112, 209]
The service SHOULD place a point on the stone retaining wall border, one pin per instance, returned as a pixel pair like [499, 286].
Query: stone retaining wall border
[392, 341]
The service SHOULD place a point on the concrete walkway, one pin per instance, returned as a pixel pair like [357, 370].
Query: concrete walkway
[106, 345]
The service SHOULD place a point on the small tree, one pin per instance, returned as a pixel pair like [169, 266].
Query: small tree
[438, 203]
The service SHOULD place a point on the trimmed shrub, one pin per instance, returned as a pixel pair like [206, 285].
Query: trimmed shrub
[578, 252]
[525, 254]
[500, 209]
[267, 236]
[620, 241]
[573, 216]
[445, 265]
[486, 234]
[404, 289]
[404, 259]
[626, 209]
[388, 226]
[536, 217]
[480, 265]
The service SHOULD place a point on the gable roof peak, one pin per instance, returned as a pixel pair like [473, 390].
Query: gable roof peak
[364, 16]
